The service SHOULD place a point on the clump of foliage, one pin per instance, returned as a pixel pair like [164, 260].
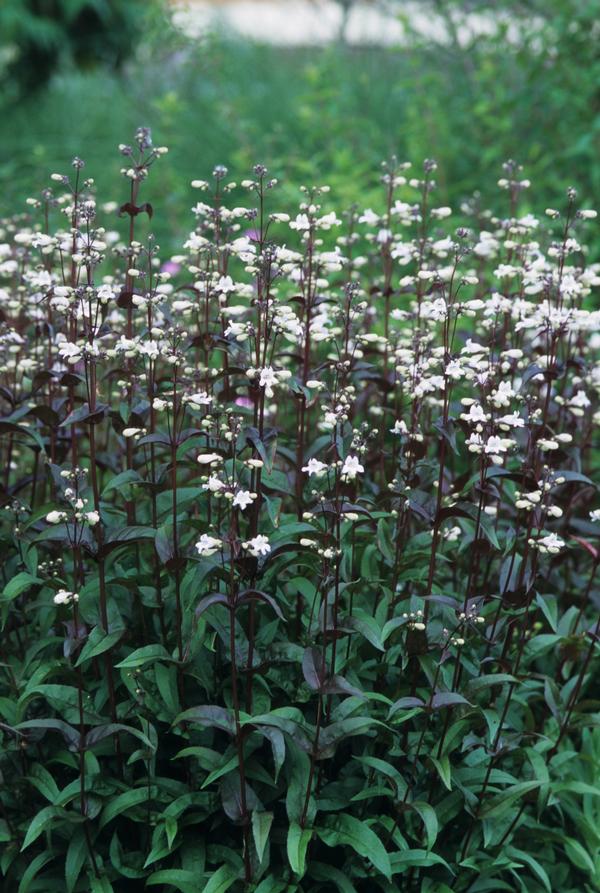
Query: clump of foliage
[300, 542]
[40, 36]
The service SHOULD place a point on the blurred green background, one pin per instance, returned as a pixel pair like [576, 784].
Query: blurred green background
[78, 76]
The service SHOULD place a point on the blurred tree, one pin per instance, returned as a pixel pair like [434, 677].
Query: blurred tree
[37, 37]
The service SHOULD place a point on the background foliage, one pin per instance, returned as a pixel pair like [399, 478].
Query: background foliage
[338, 110]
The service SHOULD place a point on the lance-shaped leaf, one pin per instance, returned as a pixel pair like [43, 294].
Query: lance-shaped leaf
[447, 699]
[249, 595]
[261, 825]
[85, 414]
[209, 716]
[231, 797]
[314, 669]
[345, 830]
[297, 842]
[70, 734]
[215, 598]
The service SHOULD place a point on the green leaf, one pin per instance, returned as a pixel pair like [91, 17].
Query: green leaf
[41, 779]
[221, 880]
[261, 825]
[144, 655]
[97, 643]
[126, 800]
[346, 830]
[535, 866]
[481, 682]
[384, 768]
[444, 770]
[41, 821]
[100, 884]
[272, 885]
[75, 860]
[32, 869]
[125, 477]
[368, 628]
[182, 880]
[297, 841]
[19, 584]
[225, 767]
[407, 859]
[329, 874]
[429, 818]
[499, 804]
[170, 829]
[579, 856]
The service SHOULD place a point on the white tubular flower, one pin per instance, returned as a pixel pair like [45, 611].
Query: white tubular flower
[545, 445]
[512, 420]
[551, 543]
[301, 223]
[209, 459]
[351, 468]
[214, 484]
[268, 378]
[133, 432]
[56, 517]
[501, 397]
[208, 545]
[258, 546]
[92, 518]
[199, 399]
[243, 498]
[225, 285]
[314, 466]
[64, 597]
[578, 403]
[527, 501]
[474, 443]
[595, 515]
[475, 415]
[70, 352]
[497, 445]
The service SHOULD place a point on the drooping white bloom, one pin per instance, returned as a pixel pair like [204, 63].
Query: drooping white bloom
[268, 378]
[314, 466]
[56, 517]
[301, 223]
[209, 459]
[512, 420]
[214, 484]
[225, 285]
[258, 545]
[64, 597]
[351, 468]
[243, 498]
[550, 543]
[133, 432]
[475, 415]
[207, 545]
[70, 352]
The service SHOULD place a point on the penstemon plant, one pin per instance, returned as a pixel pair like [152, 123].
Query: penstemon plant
[299, 542]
